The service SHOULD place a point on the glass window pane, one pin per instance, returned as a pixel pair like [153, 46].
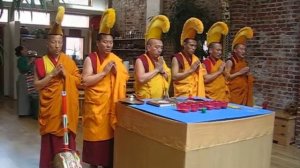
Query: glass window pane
[4, 17]
[75, 2]
[37, 2]
[76, 21]
[39, 18]
[74, 47]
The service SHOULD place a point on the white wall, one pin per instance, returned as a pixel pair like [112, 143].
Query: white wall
[97, 7]
[12, 39]
[153, 8]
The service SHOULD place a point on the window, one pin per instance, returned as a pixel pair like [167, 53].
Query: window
[75, 2]
[74, 47]
[37, 2]
[4, 17]
[38, 18]
[76, 21]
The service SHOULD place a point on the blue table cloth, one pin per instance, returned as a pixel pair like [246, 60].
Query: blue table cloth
[170, 112]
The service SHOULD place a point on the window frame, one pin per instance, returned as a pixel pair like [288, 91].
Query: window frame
[81, 54]
[89, 2]
[19, 13]
[64, 24]
[5, 11]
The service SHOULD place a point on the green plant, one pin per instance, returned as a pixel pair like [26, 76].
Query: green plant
[17, 5]
[181, 11]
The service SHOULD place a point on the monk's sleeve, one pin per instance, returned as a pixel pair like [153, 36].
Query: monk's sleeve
[73, 75]
[168, 71]
[119, 91]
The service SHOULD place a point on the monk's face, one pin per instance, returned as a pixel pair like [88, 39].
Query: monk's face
[54, 44]
[154, 47]
[216, 50]
[240, 50]
[189, 46]
[105, 44]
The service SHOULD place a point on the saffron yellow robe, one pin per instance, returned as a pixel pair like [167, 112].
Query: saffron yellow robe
[193, 84]
[241, 87]
[155, 87]
[99, 117]
[217, 89]
[50, 116]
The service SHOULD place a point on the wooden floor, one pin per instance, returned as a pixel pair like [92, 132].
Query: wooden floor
[20, 142]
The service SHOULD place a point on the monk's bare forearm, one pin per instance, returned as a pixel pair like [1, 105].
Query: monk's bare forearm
[40, 84]
[93, 79]
[234, 75]
[182, 75]
[210, 77]
[147, 76]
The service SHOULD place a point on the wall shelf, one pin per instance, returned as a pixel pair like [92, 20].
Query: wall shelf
[124, 49]
[128, 39]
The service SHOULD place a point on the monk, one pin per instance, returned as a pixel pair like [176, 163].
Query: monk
[187, 71]
[52, 72]
[152, 76]
[239, 77]
[104, 76]
[215, 84]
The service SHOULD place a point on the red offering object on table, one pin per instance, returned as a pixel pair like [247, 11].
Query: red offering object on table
[210, 107]
[224, 104]
[194, 107]
[218, 104]
[183, 107]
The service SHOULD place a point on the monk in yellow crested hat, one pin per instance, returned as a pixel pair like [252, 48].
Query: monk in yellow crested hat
[187, 71]
[158, 25]
[215, 84]
[216, 31]
[56, 26]
[104, 76]
[238, 72]
[55, 71]
[242, 36]
[152, 76]
[107, 21]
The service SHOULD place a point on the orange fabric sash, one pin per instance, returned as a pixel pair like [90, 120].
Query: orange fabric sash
[99, 118]
[193, 84]
[155, 87]
[241, 87]
[217, 89]
[50, 117]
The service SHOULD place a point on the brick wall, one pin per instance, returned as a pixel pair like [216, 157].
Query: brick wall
[297, 129]
[131, 16]
[273, 54]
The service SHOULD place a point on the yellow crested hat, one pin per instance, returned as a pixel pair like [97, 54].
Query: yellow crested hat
[190, 28]
[56, 26]
[242, 36]
[158, 25]
[107, 21]
[214, 34]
